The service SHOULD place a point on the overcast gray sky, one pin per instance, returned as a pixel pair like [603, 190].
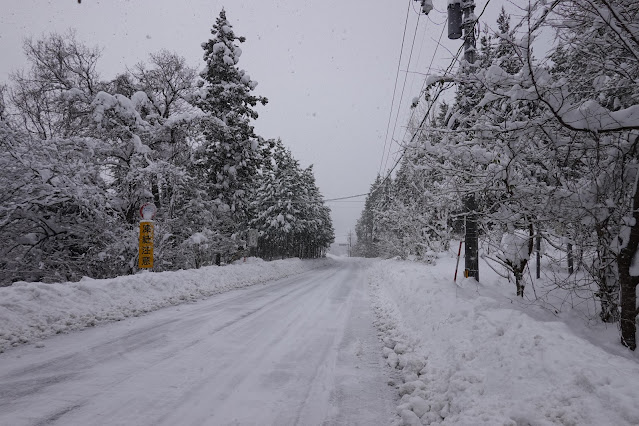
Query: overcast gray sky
[328, 67]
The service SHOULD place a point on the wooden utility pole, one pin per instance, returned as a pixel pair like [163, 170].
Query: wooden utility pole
[461, 16]
[470, 203]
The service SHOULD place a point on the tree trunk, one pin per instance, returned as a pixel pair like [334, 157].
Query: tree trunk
[571, 268]
[608, 297]
[538, 248]
[519, 282]
[627, 282]
[628, 296]
[604, 272]
[155, 190]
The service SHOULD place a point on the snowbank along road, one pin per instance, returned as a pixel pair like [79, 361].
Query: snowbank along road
[301, 350]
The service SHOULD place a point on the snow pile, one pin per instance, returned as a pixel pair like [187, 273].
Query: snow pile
[30, 311]
[471, 355]
[514, 248]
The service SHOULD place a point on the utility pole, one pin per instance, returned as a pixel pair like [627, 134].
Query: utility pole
[470, 203]
[350, 242]
[461, 16]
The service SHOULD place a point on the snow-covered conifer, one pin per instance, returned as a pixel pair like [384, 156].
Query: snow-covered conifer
[229, 158]
[288, 209]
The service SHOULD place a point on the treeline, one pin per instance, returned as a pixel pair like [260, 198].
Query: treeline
[80, 155]
[545, 146]
[289, 211]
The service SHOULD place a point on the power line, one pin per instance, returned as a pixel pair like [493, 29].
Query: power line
[417, 11]
[430, 66]
[346, 198]
[448, 68]
[390, 113]
[425, 115]
[346, 203]
[401, 97]
[318, 201]
[388, 175]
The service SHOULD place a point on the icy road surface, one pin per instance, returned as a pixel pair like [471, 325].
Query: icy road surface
[301, 350]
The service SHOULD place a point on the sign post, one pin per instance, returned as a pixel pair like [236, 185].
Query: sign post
[145, 250]
[252, 241]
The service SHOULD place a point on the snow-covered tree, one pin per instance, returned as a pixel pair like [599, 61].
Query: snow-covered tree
[403, 216]
[189, 230]
[55, 222]
[3, 102]
[278, 202]
[230, 156]
[52, 97]
[550, 145]
[586, 125]
[318, 233]
[365, 228]
[288, 210]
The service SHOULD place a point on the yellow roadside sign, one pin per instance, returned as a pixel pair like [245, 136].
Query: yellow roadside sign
[145, 251]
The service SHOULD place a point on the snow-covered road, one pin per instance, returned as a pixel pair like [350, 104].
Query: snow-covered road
[301, 350]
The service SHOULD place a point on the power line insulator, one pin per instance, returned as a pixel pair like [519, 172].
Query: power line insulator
[427, 6]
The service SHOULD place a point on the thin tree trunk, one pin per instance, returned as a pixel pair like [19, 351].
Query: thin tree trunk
[571, 268]
[627, 282]
[519, 282]
[155, 190]
[538, 248]
[628, 296]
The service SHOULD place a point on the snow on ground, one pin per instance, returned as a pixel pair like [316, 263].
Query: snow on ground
[301, 350]
[472, 354]
[467, 354]
[32, 311]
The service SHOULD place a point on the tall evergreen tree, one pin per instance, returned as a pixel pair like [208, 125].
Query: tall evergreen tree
[365, 228]
[288, 210]
[505, 52]
[229, 158]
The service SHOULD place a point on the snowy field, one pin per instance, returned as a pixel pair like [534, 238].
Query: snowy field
[472, 354]
[32, 311]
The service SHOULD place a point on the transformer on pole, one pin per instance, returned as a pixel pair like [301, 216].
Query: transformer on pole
[454, 20]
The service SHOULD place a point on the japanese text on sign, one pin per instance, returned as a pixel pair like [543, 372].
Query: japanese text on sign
[145, 253]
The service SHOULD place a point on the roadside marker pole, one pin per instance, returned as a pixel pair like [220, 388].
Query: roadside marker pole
[457, 265]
